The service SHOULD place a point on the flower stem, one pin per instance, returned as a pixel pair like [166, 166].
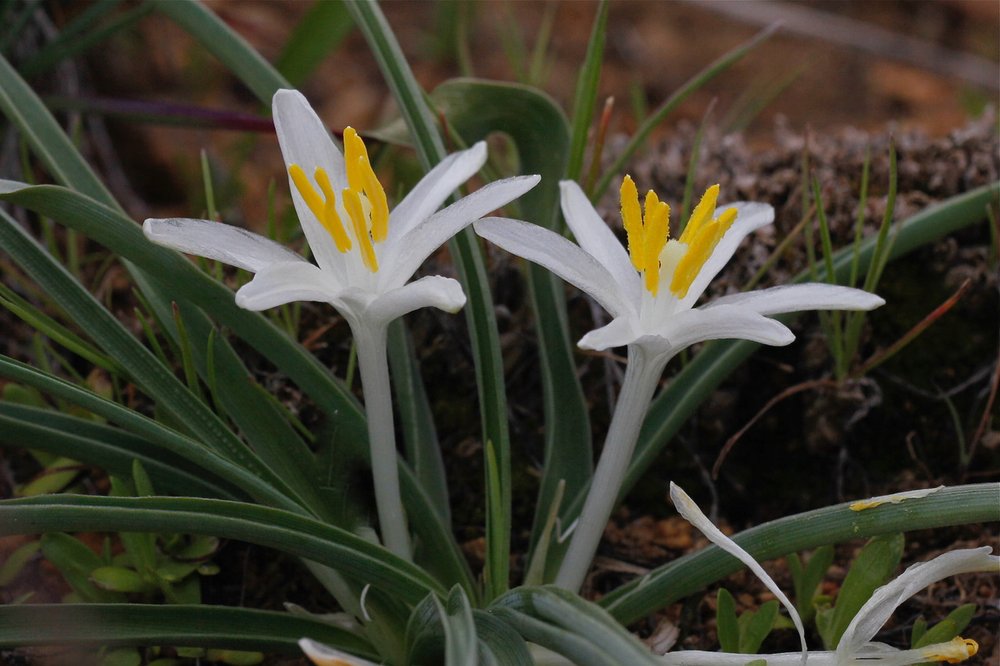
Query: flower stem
[373, 367]
[641, 377]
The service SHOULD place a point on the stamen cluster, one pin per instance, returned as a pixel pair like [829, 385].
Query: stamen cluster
[363, 201]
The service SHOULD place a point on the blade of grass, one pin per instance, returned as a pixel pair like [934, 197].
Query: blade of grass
[199, 625]
[585, 97]
[704, 76]
[320, 31]
[352, 555]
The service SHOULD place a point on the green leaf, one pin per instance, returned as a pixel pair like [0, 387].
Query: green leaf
[121, 657]
[138, 624]
[461, 645]
[563, 609]
[54, 478]
[16, 561]
[585, 96]
[351, 555]
[726, 622]
[120, 579]
[168, 444]
[423, 450]
[757, 626]
[578, 649]
[320, 31]
[105, 447]
[808, 579]
[957, 505]
[75, 562]
[499, 641]
[947, 629]
[873, 566]
[232, 50]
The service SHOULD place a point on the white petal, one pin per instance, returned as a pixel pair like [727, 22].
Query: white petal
[887, 598]
[324, 655]
[404, 256]
[232, 245]
[596, 237]
[305, 141]
[278, 284]
[690, 511]
[799, 297]
[750, 218]
[431, 291]
[434, 188]
[892, 498]
[560, 256]
[723, 322]
[619, 332]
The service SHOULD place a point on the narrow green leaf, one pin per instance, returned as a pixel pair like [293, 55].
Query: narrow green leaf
[873, 566]
[578, 649]
[947, 629]
[320, 31]
[17, 560]
[232, 50]
[585, 97]
[75, 562]
[757, 627]
[198, 625]
[500, 641]
[725, 620]
[120, 579]
[343, 551]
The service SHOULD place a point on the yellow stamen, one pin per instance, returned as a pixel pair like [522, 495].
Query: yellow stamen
[632, 220]
[701, 235]
[702, 213]
[305, 188]
[331, 220]
[361, 178]
[955, 651]
[356, 211]
[647, 231]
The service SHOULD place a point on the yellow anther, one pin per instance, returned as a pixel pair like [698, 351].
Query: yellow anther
[632, 220]
[701, 235]
[306, 190]
[330, 219]
[701, 214]
[647, 229]
[356, 211]
[380, 206]
[354, 148]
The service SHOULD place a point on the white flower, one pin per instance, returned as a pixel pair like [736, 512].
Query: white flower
[651, 289]
[856, 646]
[365, 256]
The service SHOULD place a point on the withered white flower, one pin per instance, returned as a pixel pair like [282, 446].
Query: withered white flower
[855, 647]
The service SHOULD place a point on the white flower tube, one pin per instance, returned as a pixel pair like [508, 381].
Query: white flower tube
[365, 257]
[650, 291]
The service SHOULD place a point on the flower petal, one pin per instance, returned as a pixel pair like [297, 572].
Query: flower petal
[214, 240]
[876, 611]
[560, 256]
[690, 511]
[431, 291]
[750, 217]
[596, 237]
[305, 141]
[706, 658]
[619, 332]
[723, 322]
[404, 256]
[324, 655]
[278, 284]
[799, 297]
[434, 188]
